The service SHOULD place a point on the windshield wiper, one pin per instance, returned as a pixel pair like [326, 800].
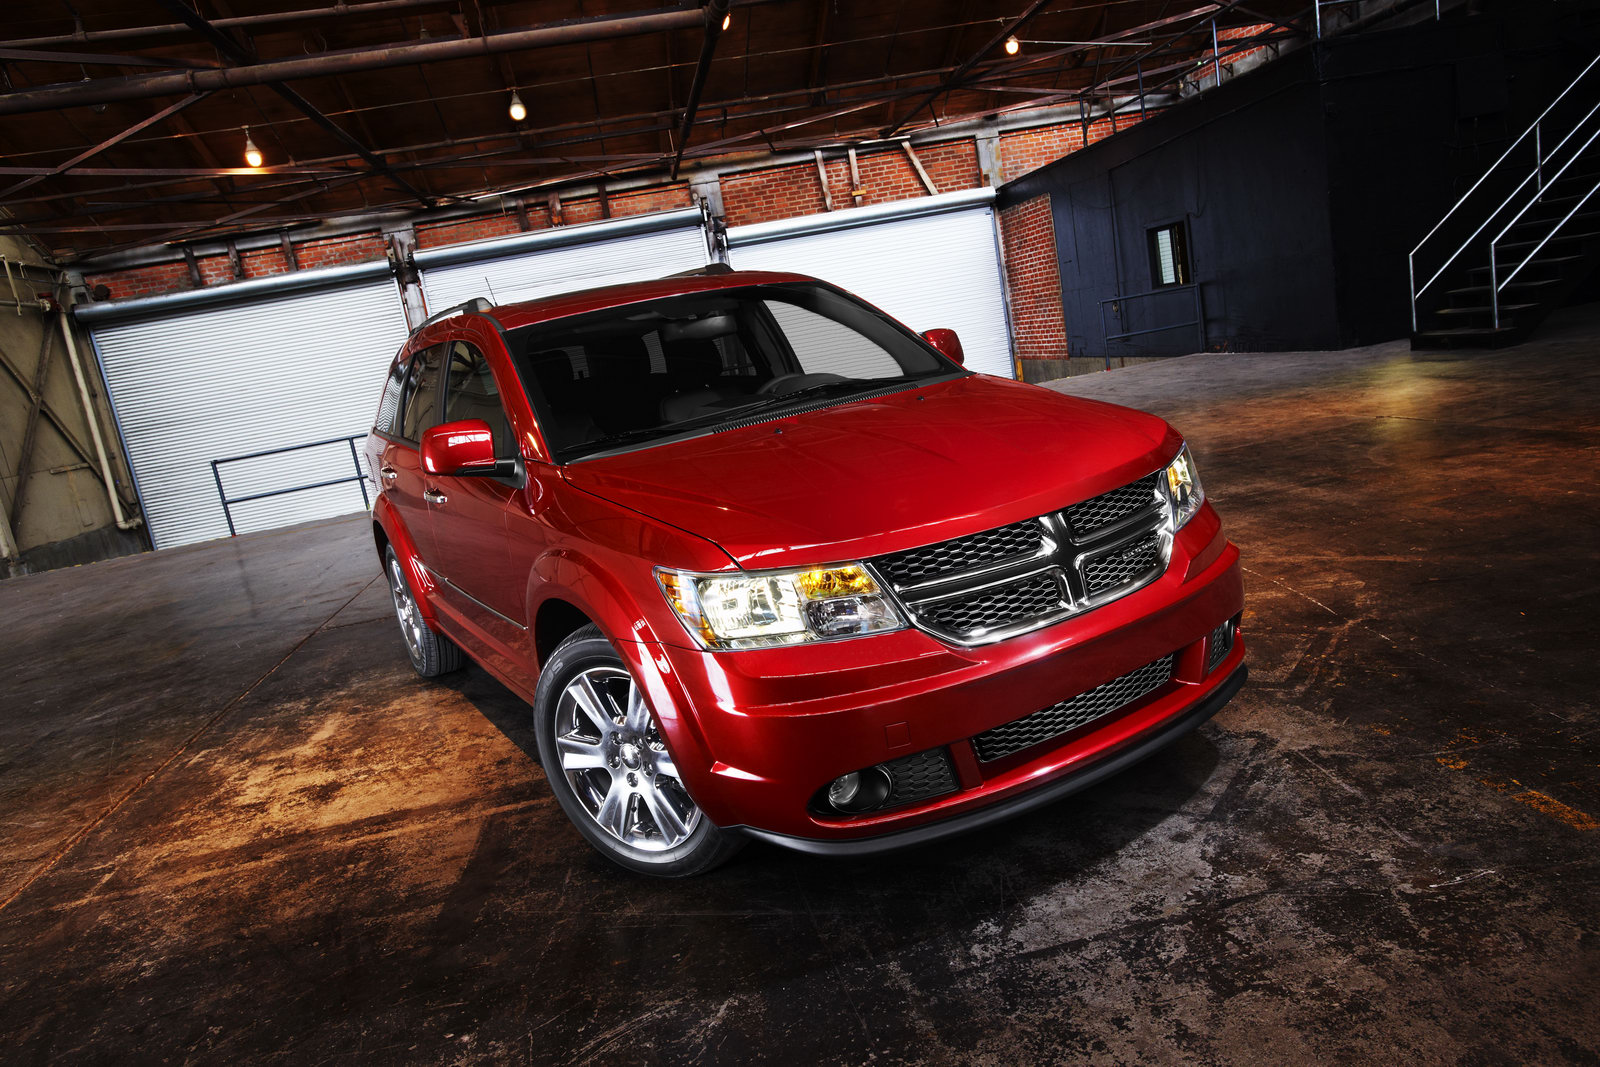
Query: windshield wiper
[735, 413]
[818, 389]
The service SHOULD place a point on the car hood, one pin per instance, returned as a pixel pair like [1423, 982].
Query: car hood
[865, 477]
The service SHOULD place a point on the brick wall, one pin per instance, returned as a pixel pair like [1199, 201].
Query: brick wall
[257, 263]
[752, 196]
[1027, 150]
[886, 175]
[1033, 285]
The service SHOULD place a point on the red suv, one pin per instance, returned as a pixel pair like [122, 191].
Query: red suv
[768, 564]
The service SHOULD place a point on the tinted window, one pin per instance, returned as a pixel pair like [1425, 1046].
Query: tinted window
[470, 393]
[421, 394]
[657, 369]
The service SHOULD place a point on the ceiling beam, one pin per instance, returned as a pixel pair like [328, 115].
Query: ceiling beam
[128, 33]
[114, 139]
[376, 57]
[960, 72]
[716, 12]
[236, 53]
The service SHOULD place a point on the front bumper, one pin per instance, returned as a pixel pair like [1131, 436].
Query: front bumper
[758, 733]
[1071, 782]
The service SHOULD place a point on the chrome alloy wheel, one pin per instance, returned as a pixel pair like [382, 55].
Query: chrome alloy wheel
[614, 760]
[405, 608]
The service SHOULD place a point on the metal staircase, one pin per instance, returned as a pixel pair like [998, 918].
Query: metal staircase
[1522, 239]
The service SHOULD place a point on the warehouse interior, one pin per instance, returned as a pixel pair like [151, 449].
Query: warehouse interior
[1347, 248]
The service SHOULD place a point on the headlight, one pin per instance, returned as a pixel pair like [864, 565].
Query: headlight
[762, 608]
[1185, 491]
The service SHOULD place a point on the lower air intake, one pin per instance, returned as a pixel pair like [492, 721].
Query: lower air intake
[1072, 713]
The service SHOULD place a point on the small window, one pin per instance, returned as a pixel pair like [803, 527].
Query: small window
[420, 408]
[470, 393]
[1169, 256]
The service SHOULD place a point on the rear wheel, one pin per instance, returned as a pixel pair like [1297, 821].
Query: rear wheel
[432, 654]
[610, 770]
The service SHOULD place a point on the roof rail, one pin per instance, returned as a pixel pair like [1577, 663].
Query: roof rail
[709, 268]
[476, 306]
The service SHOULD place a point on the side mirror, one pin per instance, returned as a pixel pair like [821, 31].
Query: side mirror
[460, 448]
[946, 342]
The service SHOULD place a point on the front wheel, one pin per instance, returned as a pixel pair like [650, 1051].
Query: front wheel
[432, 654]
[609, 769]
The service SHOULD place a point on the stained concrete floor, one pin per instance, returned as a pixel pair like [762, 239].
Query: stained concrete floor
[234, 826]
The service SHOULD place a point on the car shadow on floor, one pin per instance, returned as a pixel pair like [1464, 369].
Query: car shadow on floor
[1073, 839]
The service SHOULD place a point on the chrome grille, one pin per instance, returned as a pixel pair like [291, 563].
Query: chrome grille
[1108, 509]
[1074, 712]
[1012, 579]
[963, 553]
[1127, 564]
[926, 774]
[1033, 597]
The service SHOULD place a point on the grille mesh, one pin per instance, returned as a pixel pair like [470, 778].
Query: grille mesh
[1122, 566]
[1108, 508]
[1072, 713]
[947, 557]
[1003, 605]
[926, 774]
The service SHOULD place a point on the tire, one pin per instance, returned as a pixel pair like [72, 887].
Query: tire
[432, 654]
[610, 771]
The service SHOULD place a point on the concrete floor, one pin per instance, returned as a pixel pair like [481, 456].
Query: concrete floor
[235, 826]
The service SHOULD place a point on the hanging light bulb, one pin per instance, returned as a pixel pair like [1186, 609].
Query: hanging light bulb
[252, 154]
[518, 112]
[727, 20]
[1012, 44]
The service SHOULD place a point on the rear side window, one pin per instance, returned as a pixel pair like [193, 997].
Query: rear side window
[389, 407]
[420, 398]
[470, 393]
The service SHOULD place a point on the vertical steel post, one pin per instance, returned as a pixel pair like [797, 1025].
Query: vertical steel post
[1316, 7]
[1494, 286]
[1538, 153]
[1216, 55]
[1411, 272]
[226, 512]
[1139, 66]
[361, 476]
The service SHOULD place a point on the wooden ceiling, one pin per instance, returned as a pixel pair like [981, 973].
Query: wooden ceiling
[372, 117]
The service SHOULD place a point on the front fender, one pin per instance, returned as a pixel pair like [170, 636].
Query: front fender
[635, 625]
[405, 550]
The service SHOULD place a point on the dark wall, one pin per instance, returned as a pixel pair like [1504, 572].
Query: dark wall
[1256, 207]
[1304, 184]
[1413, 118]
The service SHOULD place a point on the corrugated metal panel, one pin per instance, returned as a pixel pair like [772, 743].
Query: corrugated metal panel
[226, 381]
[928, 270]
[526, 275]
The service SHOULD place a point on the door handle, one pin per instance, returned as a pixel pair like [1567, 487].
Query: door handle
[389, 473]
[433, 496]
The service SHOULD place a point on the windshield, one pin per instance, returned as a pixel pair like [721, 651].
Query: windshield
[646, 372]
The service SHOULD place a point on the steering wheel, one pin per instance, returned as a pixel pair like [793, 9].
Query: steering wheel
[783, 383]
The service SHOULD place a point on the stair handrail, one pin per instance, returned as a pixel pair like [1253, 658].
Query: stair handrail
[1536, 129]
[1494, 284]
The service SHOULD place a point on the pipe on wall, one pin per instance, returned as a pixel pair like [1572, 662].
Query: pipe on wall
[123, 520]
[144, 86]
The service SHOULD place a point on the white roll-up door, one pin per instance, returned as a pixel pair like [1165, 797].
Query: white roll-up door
[564, 260]
[212, 383]
[930, 263]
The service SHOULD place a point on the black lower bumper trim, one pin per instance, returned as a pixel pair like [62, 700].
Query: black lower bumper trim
[1120, 759]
